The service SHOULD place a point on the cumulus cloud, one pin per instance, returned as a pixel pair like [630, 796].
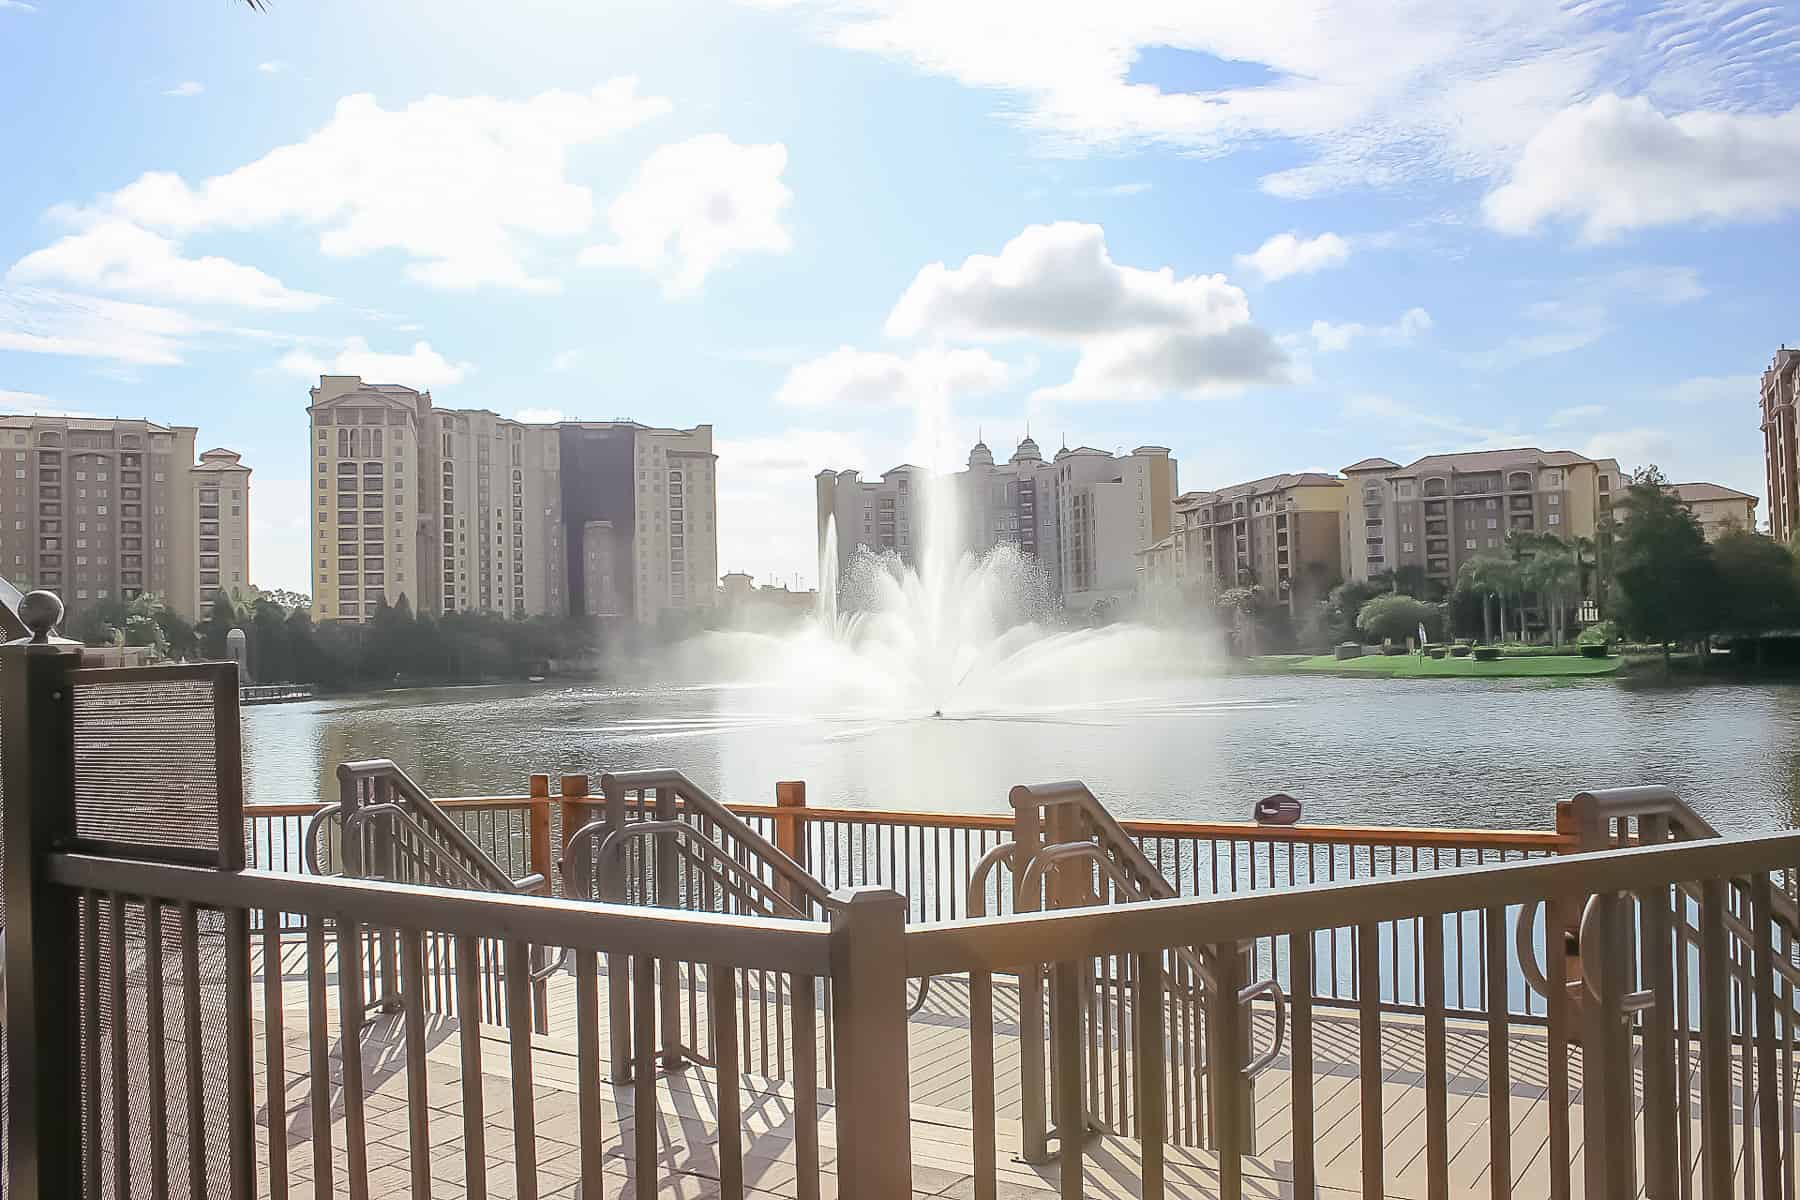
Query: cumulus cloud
[272, 67]
[1613, 165]
[693, 206]
[1367, 91]
[189, 87]
[452, 183]
[421, 367]
[1139, 332]
[17, 6]
[856, 380]
[36, 402]
[116, 256]
[1579, 414]
[47, 321]
[1288, 254]
[1328, 336]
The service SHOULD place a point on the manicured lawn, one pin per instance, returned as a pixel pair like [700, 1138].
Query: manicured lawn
[1409, 665]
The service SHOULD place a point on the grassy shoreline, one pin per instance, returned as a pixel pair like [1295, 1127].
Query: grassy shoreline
[1411, 666]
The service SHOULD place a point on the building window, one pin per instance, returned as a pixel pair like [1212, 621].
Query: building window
[1556, 518]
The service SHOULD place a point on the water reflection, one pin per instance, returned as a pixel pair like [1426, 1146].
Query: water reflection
[1459, 753]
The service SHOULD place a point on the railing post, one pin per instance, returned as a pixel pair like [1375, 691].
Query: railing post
[574, 811]
[1606, 1056]
[618, 966]
[43, 1011]
[1028, 838]
[537, 830]
[790, 832]
[668, 895]
[868, 990]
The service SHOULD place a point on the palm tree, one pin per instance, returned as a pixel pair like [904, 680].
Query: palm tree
[1490, 576]
[1553, 574]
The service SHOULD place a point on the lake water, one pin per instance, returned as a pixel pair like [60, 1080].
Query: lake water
[1406, 752]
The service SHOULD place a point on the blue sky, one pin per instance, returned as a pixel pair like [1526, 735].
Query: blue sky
[853, 232]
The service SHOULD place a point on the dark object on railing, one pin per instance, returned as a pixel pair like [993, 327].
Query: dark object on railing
[1279, 809]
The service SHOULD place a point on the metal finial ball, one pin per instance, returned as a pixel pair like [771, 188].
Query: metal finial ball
[41, 612]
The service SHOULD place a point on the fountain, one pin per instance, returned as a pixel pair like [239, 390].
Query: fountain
[953, 635]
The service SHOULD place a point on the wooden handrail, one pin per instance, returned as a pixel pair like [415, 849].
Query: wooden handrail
[1422, 837]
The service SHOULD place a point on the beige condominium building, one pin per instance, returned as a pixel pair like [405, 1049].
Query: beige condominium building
[100, 510]
[1719, 509]
[1444, 509]
[1109, 507]
[464, 510]
[1282, 533]
[1781, 454]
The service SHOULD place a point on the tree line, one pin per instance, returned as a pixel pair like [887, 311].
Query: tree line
[284, 645]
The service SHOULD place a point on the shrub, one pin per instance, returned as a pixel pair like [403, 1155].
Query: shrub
[1461, 650]
[1487, 653]
[1601, 633]
[1595, 650]
[1390, 649]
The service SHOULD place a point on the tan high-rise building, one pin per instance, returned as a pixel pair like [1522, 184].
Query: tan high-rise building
[1719, 509]
[1107, 509]
[1444, 509]
[101, 510]
[220, 487]
[1781, 453]
[1283, 533]
[464, 510]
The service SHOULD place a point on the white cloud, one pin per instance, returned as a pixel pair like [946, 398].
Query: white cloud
[1579, 414]
[1369, 91]
[1411, 323]
[36, 402]
[1633, 448]
[854, 380]
[46, 321]
[421, 367]
[455, 184]
[567, 360]
[188, 87]
[695, 205]
[1288, 254]
[1583, 313]
[1616, 165]
[766, 499]
[273, 67]
[17, 6]
[541, 416]
[1139, 332]
[1716, 390]
[115, 256]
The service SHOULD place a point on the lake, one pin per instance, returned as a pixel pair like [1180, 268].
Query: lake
[1378, 752]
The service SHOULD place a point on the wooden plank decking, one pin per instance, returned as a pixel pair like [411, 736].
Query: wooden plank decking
[942, 1153]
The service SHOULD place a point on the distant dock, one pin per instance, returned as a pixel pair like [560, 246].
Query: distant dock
[275, 693]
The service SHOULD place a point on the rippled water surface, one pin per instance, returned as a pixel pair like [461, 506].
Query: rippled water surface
[1459, 752]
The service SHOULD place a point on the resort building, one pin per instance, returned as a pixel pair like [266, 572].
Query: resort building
[463, 510]
[1719, 509]
[1444, 509]
[1282, 533]
[1781, 455]
[1084, 516]
[104, 510]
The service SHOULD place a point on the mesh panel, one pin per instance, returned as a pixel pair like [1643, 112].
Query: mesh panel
[157, 766]
[190, 1120]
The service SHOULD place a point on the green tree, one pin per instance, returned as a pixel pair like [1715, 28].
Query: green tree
[1397, 617]
[220, 620]
[1555, 575]
[1492, 578]
[1341, 607]
[1758, 590]
[1668, 583]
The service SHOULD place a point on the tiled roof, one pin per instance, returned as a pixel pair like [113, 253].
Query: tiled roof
[1495, 460]
[1258, 487]
[1709, 491]
[1373, 464]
